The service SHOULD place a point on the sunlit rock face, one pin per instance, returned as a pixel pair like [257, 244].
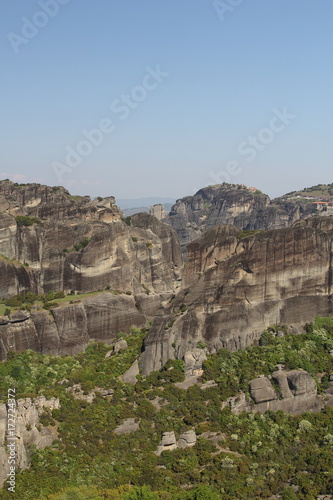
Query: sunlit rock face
[231, 204]
[69, 328]
[236, 288]
[28, 431]
[81, 244]
[78, 245]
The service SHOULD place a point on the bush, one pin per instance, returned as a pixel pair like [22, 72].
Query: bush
[83, 243]
[15, 301]
[30, 297]
[24, 220]
[127, 220]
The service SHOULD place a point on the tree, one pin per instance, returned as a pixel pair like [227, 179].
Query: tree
[143, 493]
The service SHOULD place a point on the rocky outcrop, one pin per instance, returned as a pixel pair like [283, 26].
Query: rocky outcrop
[74, 243]
[88, 256]
[129, 377]
[56, 203]
[68, 329]
[293, 392]
[275, 277]
[187, 439]
[261, 390]
[194, 360]
[169, 442]
[129, 425]
[28, 431]
[302, 395]
[78, 393]
[231, 204]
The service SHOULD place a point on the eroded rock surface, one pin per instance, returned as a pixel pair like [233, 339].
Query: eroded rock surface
[169, 442]
[261, 390]
[296, 394]
[231, 204]
[68, 329]
[276, 277]
[28, 431]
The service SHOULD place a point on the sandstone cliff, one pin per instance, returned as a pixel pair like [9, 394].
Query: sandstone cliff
[69, 328]
[54, 203]
[235, 288]
[231, 204]
[75, 244]
[81, 245]
[28, 431]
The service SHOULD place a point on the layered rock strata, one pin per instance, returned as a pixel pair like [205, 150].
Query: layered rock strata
[232, 204]
[28, 431]
[235, 288]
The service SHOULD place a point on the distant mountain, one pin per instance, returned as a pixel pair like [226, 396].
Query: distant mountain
[125, 203]
[322, 192]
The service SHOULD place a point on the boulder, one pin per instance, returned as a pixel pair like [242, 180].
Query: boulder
[187, 439]
[300, 383]
[129, 377]
[168, 442]
[120, 345]
[28, 431]
[261, 390]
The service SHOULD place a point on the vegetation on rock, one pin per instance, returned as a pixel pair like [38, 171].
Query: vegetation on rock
[236, 456]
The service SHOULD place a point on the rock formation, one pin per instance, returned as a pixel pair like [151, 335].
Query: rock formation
[129, 425]
[232, 204]
[158, 211]
[54, 203]
[75, 244]
[69, 328]
[28, 431]
[293, 392]
[169, 442]
[233, 289]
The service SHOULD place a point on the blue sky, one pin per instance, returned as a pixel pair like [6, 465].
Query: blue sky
[187, 93]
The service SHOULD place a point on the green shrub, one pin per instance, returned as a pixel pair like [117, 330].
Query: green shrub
[83, 243]
[24, 220]
[127, 220]
[247, 232]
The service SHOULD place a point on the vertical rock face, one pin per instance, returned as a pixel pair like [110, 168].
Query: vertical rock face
[54, 203]
[81, 245]
[68, 329]
[28, 431]
[275, 277]
[230, 204]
